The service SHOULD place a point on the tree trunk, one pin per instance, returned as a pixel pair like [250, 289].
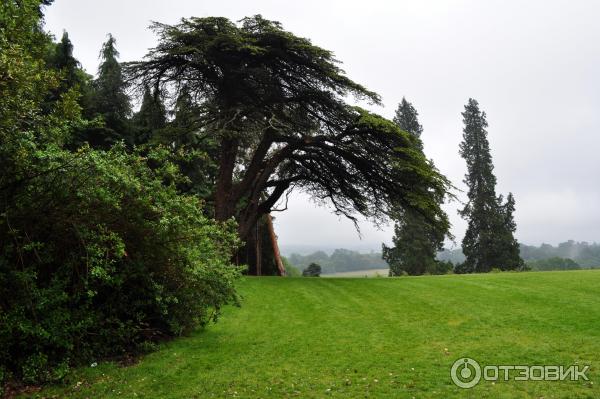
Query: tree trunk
[275, 246]
[223, 201]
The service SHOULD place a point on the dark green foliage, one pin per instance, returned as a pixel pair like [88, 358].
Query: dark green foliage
[507, 245]
[489, 241]
[151, 117]
[415, 246]
[70, 72]
[407, 118]
[109, 101]
[313, 270]
[28, 124]
[102, 257]
[195, 150]
[416, 239]
[275, 105]
[99, 254]
[555, 263]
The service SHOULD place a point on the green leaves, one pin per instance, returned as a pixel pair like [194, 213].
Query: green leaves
[105, 244]
[99, 253]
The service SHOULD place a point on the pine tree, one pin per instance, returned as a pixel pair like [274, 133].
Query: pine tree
[194, 148]
[64, 61]
[185, 112]
[415, 240]
[407, 118]
[489, 241]
[150, 118]
[70, 74]
[509, 249]
[110, 100]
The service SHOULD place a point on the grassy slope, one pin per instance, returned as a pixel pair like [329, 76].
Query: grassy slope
[373, 338]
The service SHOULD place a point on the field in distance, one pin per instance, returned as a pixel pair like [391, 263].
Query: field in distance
[375, 338]
[360, 273]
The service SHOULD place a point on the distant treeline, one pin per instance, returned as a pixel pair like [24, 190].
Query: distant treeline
[555, 263]
[341, 260]
[585, 255]
[565, 256]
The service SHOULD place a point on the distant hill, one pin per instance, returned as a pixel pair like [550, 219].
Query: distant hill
[340, 260]
[451, 255]
[336, 260]
[307, 249]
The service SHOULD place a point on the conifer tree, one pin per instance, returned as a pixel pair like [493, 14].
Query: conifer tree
[275, 106]
[64, 61]
[186, 111]
[110, 100]
[489, 241]
[150, 118]
[195, 150]
[72, 76]
[415, 240]
[509, 249]
[407, 118]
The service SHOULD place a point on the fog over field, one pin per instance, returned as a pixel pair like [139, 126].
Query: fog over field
[533, 66]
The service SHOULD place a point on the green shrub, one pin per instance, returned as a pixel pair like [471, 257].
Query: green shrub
[100, 255]
[312, 270]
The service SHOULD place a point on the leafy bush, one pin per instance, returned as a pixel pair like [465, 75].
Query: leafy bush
[313, 270]
[100, 255]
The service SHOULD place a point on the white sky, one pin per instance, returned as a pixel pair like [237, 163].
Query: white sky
[533, 66]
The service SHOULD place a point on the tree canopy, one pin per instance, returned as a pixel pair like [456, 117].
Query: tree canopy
[276, 105]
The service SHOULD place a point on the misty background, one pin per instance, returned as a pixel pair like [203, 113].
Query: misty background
[533, 66]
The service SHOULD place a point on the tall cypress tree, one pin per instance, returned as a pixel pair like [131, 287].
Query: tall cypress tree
[110, 100]
[508, 247]
[489, 241]
[150, 118]
[64, 61]
[416, 241]
[71, 75]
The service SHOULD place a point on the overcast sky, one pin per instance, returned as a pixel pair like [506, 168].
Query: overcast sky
[532, 65]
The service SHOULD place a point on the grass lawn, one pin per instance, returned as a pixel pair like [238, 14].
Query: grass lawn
[379, 338]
